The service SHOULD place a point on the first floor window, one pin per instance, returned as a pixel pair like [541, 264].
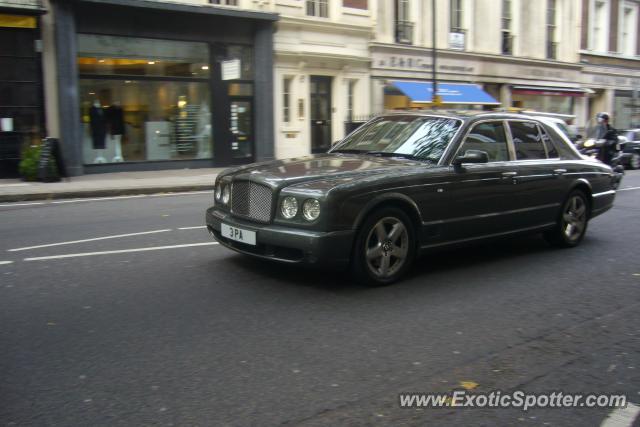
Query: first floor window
[318, 8]
[286, 100]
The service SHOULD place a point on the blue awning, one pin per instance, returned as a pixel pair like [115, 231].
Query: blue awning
[451, 93]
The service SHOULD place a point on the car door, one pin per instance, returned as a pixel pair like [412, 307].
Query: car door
[483, 196]
[541, 180]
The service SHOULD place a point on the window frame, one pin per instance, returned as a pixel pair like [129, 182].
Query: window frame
[593, 43]
[456, 16]
[506, 27]
[513, 145]
[286, 99]
[552, 29]
[508, 141]
[633, 35]
[316, 8]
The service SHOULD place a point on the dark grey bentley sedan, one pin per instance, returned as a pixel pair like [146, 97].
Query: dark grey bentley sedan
[411, 182]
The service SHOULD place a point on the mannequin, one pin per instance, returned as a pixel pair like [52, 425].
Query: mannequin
[98, 126]
[203, 132]
[115, 117]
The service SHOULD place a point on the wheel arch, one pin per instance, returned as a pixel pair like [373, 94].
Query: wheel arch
[399, 200]
[584, 185]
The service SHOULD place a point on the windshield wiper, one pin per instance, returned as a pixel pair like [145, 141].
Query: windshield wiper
[392, 154]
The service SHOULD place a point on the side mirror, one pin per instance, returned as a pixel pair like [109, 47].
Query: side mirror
[472, 156]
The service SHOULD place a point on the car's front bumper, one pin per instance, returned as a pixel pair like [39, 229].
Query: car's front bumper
[285, 244]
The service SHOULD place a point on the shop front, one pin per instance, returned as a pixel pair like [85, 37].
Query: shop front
[547, 99]
[21, 102]
[157, 85]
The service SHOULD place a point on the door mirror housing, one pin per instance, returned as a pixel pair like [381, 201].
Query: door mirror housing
[472, 156]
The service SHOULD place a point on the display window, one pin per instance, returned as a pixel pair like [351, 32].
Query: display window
[546, 103]
[144, 99]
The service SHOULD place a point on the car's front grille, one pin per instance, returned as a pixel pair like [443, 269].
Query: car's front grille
[251, 200]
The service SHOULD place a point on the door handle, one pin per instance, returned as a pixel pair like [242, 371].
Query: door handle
[510, 174]
[559, 172]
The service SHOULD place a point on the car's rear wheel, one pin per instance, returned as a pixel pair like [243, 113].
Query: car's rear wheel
[573, 221]
[634, 161]
[385, 247]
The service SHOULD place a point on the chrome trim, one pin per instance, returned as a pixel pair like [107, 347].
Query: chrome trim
[487, 236]
[492, 214]
[604, 193]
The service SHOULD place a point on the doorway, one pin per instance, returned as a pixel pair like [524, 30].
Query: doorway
[320, 114]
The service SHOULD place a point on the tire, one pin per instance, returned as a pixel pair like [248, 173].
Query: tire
[634, 161]
[572, 223]
[384, 248]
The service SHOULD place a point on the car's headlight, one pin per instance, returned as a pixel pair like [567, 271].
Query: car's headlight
[218, 193]
[289, 207]
[589, 143]
[226, 194]
[311, 209]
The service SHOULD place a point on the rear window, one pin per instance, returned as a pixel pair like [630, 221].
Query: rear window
[527, 141]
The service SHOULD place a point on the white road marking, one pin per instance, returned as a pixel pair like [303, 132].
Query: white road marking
[20, 204]
[6, 262]
[97, 199]
[21, 184]
[116, 236]
[629, 188]
[622, 417]
[192, 228]
[121, 251]
[183, 193]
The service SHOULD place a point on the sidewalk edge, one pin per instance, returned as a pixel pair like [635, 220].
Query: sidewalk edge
[107, 192]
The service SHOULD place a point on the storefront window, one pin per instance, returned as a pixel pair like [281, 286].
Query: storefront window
[546, 103]
[626, 113]
[144, 99]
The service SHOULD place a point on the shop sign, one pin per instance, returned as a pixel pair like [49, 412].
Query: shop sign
[231, 69]
[456, 41]
[419, 63]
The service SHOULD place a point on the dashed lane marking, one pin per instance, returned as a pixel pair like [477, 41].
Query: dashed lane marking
[628, 188]
[121, 251]
[6, 262]
[116, 236]
[622, 417]
[192, 228]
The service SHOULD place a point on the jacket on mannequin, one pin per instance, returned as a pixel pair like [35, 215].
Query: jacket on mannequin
[115, 118]
[98, 124]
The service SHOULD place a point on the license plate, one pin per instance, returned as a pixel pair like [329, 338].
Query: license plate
[238, 234]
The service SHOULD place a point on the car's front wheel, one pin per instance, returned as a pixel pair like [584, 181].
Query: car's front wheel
[385, 247]
[572, 223]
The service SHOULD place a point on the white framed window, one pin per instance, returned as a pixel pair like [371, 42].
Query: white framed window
[628, 28]
[286, 99]
[599, 11]
[351, 90]
[318, 8]
[507, 28]
[552, 45]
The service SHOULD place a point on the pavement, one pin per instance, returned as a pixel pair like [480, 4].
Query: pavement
[123, 311]
[109, 184]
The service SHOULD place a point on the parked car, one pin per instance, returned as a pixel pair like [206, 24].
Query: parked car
[408, 183]
[631, 151]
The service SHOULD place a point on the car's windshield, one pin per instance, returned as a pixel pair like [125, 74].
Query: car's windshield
[423, 138]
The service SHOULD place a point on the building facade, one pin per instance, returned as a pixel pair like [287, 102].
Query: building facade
[159, 84]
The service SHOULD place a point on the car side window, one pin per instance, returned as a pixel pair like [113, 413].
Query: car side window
[527, 140]
[552, 152]
[489, 137]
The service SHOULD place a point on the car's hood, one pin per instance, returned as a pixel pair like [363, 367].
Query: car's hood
[280, 173]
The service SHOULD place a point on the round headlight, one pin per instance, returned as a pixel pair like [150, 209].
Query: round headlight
[226, 194]
[289, 207]
[589, 143]
[218, 192]
[311, 209]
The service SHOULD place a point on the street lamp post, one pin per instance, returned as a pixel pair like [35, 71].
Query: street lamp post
[435, 99]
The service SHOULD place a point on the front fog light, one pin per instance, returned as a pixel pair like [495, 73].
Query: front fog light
[218, 192]
[311, 209]
[289, 207]
[226, 194]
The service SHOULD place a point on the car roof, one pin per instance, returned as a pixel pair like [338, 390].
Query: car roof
[464, 115]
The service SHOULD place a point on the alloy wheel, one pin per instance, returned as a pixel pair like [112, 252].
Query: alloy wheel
[574, 219]
[387, 247]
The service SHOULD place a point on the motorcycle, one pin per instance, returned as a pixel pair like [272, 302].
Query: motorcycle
[600, 144]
